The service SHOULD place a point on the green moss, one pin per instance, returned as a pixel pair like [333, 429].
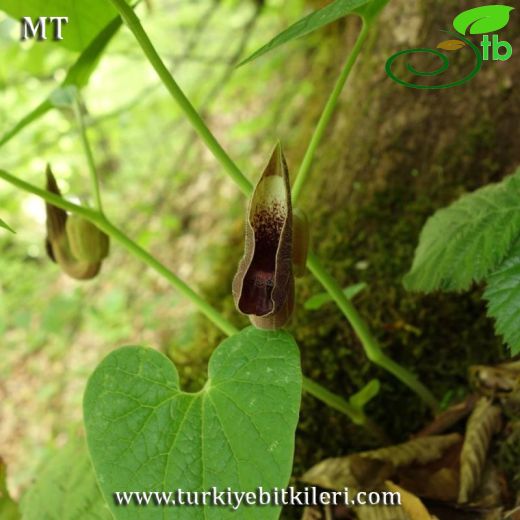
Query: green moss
[368, 233]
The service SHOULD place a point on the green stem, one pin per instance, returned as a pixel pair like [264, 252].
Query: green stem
[184, 103]
[243, 183]
[327, 114]
[370, 344]
[88, 154]
[105, 225]
[101, 221]
[357, 415]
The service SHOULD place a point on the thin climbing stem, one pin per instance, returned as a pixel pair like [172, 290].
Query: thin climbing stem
[133, 23]
[78, 111]
[368, 342]
[328, 112]
[103, 223]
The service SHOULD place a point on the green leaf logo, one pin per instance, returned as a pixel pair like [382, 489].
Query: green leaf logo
[482, 20]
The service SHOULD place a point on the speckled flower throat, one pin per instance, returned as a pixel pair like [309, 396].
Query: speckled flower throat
[263, 287]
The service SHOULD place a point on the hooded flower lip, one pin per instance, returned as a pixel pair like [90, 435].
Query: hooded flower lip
[267, 223]
[264, 284]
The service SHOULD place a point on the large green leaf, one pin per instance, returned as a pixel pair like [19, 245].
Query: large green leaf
[65, 488]
[316, 20]
[467, 240]
[145, 434]
[78, 75]
[503, 296]
[482, 20]
[86, 17]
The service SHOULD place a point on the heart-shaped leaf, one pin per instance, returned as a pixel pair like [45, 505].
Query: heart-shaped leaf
[482, 20]
[451, 45]
[314, 21]
[145, 434]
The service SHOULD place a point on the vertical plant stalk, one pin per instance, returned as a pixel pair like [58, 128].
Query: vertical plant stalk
[328, 112]
[184, 103]
[88, 153]
[369, 344]
[101, 221]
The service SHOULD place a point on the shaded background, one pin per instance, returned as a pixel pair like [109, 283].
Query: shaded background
[391, 158]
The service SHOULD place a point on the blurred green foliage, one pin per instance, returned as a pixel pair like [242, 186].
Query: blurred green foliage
[158, 183]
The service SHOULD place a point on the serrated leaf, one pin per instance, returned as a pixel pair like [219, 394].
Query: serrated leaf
[3, 225]
[318, 300]
[314, 21]
[78, 75]
[65, 488]
[145, 434]
[451, 45]
[86, 17]
[503, 296]
[482, 20]
[466, 241]
[8, 507]
[483, 423]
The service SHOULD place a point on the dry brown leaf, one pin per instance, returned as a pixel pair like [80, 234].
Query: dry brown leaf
[382, 513]
[411, 504]
[484, 422]
[311, 513]
[341, 472]
[419, 451]
[441, 485]
[445, 420]
[438, 480]
[451, 45]
[493, 490]
[501, 381]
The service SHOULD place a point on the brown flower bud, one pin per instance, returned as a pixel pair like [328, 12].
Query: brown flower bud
[57, 242]
[263, 287]
[87, 241]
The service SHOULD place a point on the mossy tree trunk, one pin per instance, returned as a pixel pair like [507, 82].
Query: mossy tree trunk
[392, 157]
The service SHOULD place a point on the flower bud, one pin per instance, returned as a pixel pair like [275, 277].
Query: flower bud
[58, 244]
[263, 287]
[86, 241]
